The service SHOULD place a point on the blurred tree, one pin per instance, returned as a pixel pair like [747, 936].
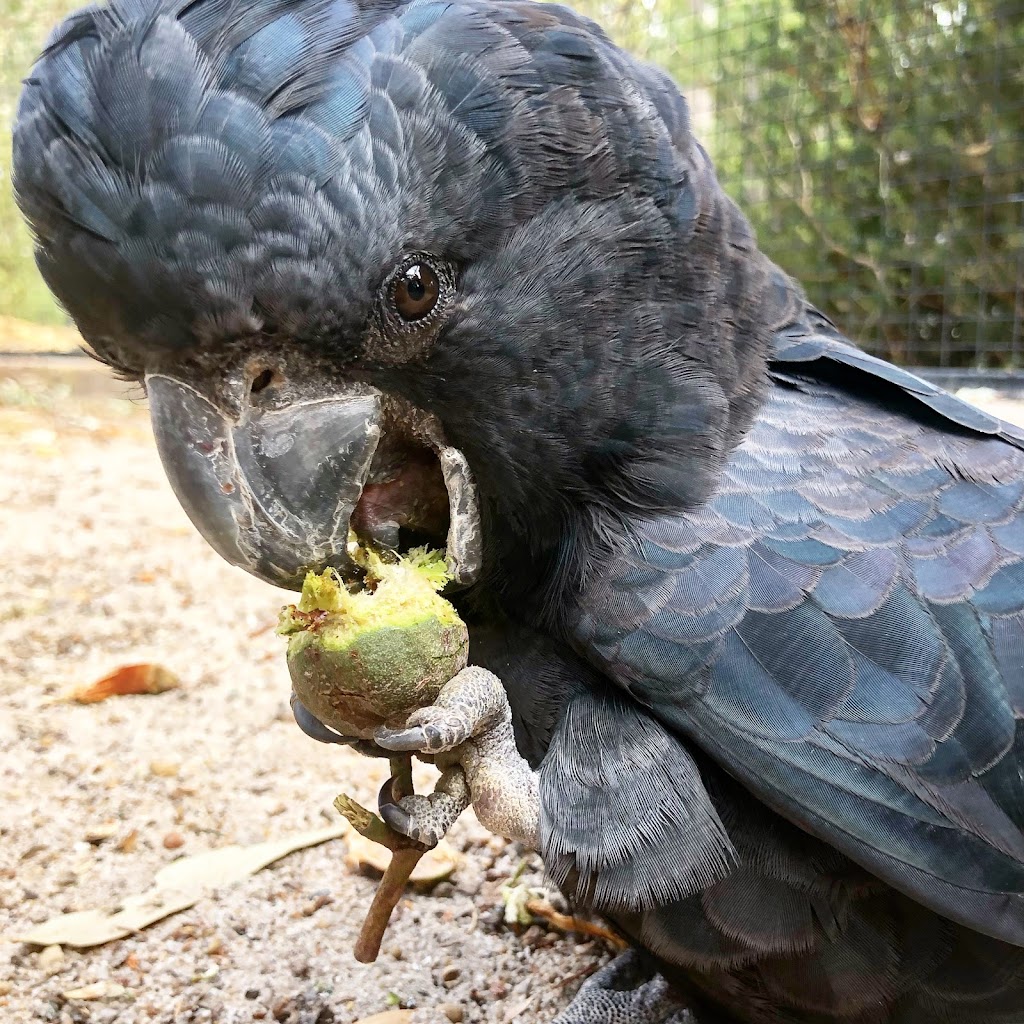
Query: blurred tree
[24, 26]
[877, 148]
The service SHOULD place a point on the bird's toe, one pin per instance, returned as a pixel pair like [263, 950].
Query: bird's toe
[626, 991]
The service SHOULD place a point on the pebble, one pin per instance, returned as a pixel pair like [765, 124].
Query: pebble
[100, 833]
[51, 959]
[533, 935]
[173, 841]
[97, 990]
[469, 883]
[453, 1012]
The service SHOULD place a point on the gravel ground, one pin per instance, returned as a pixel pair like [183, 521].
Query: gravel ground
[102, 569]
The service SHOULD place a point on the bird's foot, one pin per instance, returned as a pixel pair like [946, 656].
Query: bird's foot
[469, 726]
[426, 818]
[626, 991]
[468, 705]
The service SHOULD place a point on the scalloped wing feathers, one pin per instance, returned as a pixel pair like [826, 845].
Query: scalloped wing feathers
[842, 626]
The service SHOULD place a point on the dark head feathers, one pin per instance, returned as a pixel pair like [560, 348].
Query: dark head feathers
[202, 173]
[168, 152]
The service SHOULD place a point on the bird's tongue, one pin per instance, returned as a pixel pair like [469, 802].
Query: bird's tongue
[405, 502]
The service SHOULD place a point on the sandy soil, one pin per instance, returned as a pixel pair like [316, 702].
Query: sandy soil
[102, 569]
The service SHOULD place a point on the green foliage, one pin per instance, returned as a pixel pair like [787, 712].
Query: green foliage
[24, 26]
[877, 149]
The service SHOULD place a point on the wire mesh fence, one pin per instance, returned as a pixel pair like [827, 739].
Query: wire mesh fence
[877, 148]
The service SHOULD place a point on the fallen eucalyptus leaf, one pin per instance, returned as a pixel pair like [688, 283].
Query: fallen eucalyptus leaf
[387, 1017]
[80, 929]
[176, 887]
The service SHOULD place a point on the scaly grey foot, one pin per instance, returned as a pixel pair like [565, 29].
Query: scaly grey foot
[470, 726]
[626, 991]
[468, 704]
[426, 818]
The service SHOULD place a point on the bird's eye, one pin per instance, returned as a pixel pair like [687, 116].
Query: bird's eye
[416, 292]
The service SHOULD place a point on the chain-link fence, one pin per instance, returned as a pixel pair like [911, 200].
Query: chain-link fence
[878, 149]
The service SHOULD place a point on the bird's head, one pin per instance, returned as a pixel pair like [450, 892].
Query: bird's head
[427, 269]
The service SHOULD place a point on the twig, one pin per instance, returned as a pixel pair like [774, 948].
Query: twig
[405, 855]
[566, 923]
[385, 899]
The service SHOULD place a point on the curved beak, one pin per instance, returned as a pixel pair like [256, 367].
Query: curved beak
[271, 489]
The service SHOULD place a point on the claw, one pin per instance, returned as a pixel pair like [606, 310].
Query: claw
[315, 729]
[387, 797]
[423, 734]
[398, 818]
[422, 818]
[312, 726]
[402, 820]
[414, 739]
[389, 808]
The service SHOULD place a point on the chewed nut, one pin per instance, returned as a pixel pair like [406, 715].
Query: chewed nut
[367, 658]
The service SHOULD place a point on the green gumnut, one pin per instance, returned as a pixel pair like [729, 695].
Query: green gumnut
[369, 658]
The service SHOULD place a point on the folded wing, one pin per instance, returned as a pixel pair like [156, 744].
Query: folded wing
[842, 625]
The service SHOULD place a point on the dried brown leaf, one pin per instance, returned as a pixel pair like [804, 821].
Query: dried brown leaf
[128, 679]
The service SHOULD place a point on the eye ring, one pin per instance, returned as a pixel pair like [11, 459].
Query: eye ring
[416, 291]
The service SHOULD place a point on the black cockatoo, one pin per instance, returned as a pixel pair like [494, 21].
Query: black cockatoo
[460, 270]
